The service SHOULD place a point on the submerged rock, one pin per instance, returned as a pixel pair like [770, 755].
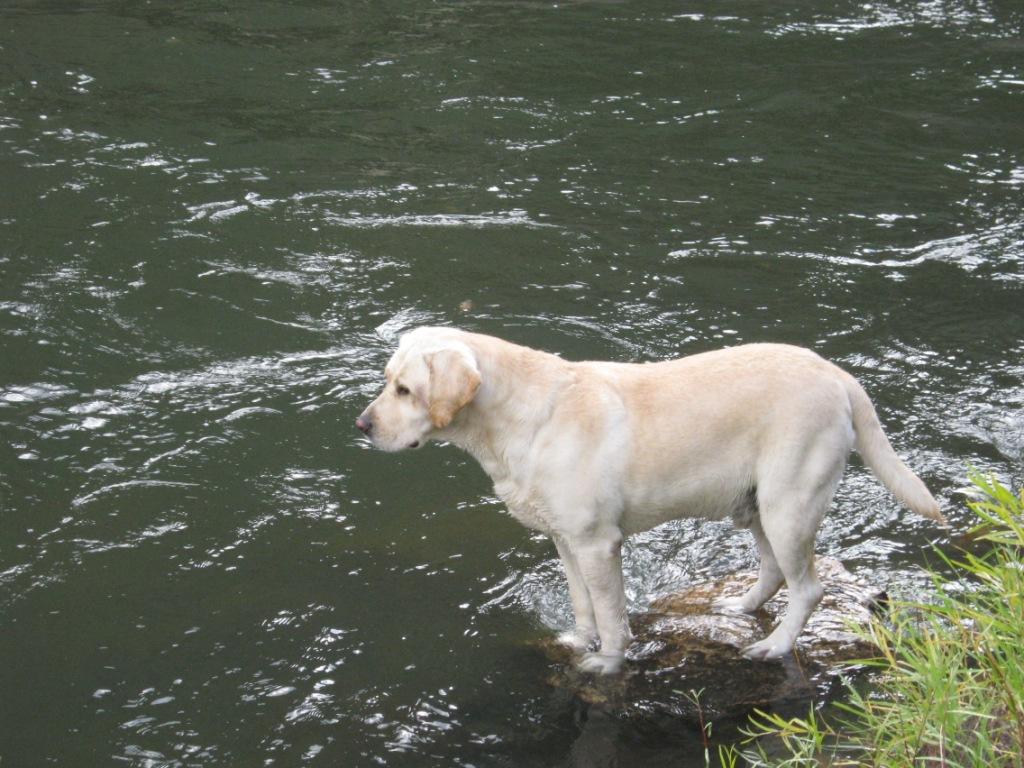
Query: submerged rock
[681, 648]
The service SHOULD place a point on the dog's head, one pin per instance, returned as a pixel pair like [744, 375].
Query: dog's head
[430, 378]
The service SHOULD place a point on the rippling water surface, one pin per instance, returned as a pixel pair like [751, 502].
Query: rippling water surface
[215, 222]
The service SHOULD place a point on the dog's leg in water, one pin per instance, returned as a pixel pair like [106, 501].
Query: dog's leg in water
[793, 494]
[790, 524]
[769, 578]
[585, 632]
[599, 557]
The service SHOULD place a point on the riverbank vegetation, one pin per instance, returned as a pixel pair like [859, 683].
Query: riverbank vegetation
[947, 687]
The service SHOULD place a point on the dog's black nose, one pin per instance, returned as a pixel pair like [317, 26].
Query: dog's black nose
[364, 425]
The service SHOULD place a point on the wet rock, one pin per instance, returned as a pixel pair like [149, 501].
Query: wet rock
[681, 647]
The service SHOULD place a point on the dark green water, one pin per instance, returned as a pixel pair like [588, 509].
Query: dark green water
[216, 218]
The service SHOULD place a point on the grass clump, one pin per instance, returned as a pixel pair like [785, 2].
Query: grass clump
[949, 684]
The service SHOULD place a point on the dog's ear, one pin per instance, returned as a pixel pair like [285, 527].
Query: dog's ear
[454, 380]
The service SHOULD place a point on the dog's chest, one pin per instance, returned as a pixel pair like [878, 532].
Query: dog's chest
[523, 505]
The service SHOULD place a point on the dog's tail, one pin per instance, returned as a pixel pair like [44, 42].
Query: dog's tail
[876, 451]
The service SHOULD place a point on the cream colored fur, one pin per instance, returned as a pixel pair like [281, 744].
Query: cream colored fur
[591, 452]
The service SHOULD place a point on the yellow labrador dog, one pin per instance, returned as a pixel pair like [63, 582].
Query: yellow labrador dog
[591, 452]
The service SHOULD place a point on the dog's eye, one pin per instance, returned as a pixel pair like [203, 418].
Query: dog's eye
[401, 390]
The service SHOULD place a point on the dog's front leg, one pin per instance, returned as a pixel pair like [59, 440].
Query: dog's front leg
[598, 556]
[584, 633]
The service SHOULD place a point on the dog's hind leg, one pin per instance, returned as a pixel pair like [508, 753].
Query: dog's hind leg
[790, 524]
[790, 510]
[794, 553]
[769, 578]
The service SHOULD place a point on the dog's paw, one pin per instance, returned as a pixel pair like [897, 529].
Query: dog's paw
[730, 605]
[765, 650]
[602, 663]
[576, 640]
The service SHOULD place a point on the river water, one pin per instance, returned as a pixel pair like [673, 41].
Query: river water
[216, 219]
